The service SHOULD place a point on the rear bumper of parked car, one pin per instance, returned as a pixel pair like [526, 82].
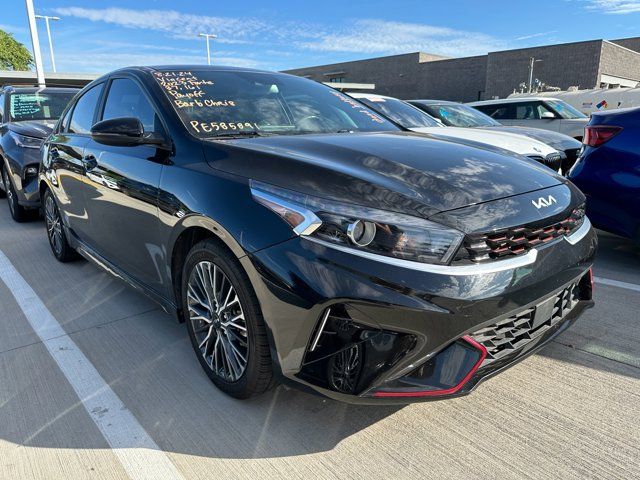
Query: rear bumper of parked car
[417, 335]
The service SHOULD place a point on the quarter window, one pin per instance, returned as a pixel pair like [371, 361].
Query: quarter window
[1, 106]
[126, 99]
[84, 111]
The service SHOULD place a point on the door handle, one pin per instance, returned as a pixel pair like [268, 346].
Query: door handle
[89, 162]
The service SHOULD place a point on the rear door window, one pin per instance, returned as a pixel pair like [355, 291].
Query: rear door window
[499, 112]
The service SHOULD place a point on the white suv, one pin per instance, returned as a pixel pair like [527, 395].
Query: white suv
[537, 112]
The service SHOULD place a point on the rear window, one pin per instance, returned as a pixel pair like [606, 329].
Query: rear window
[38, 105]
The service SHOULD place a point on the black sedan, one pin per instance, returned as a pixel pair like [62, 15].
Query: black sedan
[302, 237]
[27, 116]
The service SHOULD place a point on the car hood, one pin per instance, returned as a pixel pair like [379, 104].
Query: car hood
[401, 171]
[512, 142]
[557, 140]
[33, 128]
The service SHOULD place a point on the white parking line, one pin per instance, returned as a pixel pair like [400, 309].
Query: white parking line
[138, 453]
[617, 283]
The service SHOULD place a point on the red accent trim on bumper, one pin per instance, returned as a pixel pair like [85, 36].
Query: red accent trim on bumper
[449, 391]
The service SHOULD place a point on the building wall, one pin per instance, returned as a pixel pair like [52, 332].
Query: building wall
[393, 75]
[458, 79]
[498, 74]
[631, 43]
[561, 66]
[415, 75]
[619, 61]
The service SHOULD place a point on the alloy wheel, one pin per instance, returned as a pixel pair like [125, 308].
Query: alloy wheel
[218, 321]
[54, 227]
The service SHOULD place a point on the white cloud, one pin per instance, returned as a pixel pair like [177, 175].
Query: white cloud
[380, 36]
[177, 24]
[13, 29]
[615, 7]
[105, 62]
[536, 35]
[367, 36]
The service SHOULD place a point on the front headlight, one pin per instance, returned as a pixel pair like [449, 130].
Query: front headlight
[24, 141]
[361, 228]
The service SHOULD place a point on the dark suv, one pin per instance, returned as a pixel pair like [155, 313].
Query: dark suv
[27, 116]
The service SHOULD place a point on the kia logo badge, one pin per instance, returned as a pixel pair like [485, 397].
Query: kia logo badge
[544, 202]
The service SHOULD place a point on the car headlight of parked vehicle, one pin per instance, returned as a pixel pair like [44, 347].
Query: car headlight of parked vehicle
[24, 141]
[359, 228]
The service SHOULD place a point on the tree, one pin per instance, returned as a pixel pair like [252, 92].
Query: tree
[13, 54]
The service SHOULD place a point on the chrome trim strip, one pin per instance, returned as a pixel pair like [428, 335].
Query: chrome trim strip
[311, 221]
[580, 233]
[455, 270]
[325, 317]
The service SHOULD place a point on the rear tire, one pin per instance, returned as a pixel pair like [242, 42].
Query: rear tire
[55, 231]
[225, 322]
[18, 213]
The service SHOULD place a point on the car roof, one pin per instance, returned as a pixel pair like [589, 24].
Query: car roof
[369, 95]
[512, 100]
[209, 68]
[12, 89]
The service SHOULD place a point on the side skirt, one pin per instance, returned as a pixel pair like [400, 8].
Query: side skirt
[91, 255]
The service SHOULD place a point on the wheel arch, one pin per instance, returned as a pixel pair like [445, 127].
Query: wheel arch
[192, 230]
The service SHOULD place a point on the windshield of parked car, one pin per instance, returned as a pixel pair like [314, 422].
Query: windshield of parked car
[565, 110]
[460, 116]
[38, 105]
[400, 112]
[228, 103]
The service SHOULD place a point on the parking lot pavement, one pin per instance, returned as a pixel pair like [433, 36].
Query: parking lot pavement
[98, 382]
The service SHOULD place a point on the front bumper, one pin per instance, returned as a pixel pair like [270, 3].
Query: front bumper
[19, 159]
[397, 321]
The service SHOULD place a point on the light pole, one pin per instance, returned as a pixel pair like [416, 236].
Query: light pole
[532, 62]
[37, 56]
[46, 19]
[208, 36]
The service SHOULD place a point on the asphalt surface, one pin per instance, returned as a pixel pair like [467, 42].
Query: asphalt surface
[97, 382]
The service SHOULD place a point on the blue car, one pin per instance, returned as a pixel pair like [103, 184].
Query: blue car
[608, 171]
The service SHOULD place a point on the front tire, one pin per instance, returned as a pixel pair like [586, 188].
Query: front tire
[55, 232]
[225, 322]
[18, 213]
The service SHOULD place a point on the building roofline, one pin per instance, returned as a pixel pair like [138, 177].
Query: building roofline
[621, 46]
[334, 65]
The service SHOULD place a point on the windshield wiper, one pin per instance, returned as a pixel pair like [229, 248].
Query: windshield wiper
[239, 133]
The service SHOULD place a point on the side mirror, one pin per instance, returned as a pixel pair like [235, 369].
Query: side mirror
[548, 116]
[123, 131]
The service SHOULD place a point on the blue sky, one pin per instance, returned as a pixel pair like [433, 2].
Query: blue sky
[100, 36]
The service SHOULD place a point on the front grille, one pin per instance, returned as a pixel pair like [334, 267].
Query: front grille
[519, 240]
[512, 334]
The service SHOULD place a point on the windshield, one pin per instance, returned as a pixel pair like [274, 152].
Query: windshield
[460, 116]
[565, 110]
[38, 105]
[227, 103]
[400, 112]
